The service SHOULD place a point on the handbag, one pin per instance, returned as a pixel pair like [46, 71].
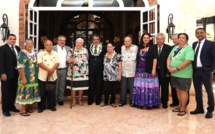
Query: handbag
[50, 85]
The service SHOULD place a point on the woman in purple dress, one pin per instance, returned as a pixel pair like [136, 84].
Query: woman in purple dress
[146, 85]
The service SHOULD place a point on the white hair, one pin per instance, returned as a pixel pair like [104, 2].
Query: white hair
[160, 34]
[80, 39]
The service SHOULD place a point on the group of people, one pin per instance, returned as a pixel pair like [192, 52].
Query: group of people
[144, 70]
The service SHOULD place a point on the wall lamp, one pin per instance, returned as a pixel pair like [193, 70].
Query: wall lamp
[4, 27]
[171, 27]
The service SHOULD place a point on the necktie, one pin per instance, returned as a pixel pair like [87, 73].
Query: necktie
[95, 50]
[12, 48]
[159, 51]
[196, 54]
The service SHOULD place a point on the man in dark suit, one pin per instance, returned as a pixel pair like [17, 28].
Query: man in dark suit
[163, 51]
[9, 74]
[96, 55]
[203, 64]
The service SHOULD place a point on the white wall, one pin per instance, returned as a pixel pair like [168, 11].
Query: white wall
[185, 13]
[11, 8]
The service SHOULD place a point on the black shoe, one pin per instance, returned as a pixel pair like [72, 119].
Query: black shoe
[14, 110]
[60, 103]
[121, 104]
[90, 103]
[7, 114]
[132, 105]
[197, 111]
[173, 105]
[53, 109]
[40, 110]
[165, 106]
[209, 115]
[97, 103]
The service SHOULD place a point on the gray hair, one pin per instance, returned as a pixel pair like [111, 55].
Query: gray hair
[28, 40]
[160, 34]
[80, 39]
[61, 36]
[176, 34]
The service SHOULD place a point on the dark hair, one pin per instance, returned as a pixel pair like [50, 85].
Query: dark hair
[96, 35]
[11, 35]
[200, 29]
[141, 41]
[111, 44]
[187, 37]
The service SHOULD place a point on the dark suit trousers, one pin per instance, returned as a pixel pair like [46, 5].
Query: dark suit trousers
[95, 88]
[9, 89]
[110, 88]
[164, 86]
[200, 76]
[50, 96]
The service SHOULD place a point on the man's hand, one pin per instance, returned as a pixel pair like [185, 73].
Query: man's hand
[4, 77]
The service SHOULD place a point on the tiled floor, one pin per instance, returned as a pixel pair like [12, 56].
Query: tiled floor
[107, 120]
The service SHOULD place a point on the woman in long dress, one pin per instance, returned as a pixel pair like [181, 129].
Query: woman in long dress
[146, 85]
[27, 92]
[80, 70]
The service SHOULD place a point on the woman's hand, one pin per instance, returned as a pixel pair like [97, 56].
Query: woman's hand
[153, 73]
[119, 78]
[173, 70]
[24, 81]
[70, 60]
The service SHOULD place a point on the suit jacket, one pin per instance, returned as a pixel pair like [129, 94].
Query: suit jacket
[8, 61]
[96, 62]
[207, 55]
[66, 47]
[162, 59]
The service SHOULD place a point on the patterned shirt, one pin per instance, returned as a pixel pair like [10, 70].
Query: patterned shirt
[111, 67]
[129, 61]
[49, 60]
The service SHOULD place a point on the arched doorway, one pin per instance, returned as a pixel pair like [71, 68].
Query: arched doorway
[85, 24]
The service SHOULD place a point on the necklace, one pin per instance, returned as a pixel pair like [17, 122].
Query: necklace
[143, 54]
[177, 52]
[98, 53]
[111, 59]
[30, 56]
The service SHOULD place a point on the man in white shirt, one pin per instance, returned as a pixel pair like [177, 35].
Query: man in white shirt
[62, 51]
[129, 54]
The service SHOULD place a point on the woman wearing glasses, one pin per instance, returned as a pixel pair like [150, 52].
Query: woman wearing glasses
[179, 64]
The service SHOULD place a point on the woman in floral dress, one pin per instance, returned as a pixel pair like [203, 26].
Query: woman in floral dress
[27, 92]
[80, 70]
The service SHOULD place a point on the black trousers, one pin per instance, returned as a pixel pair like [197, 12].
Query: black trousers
[164, 86]
[95, 88]
[201, 76]
[110, 88]
[8, 91]
[49, 96]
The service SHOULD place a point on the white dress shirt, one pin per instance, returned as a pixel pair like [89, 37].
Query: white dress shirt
[62, 56]
[198, 62]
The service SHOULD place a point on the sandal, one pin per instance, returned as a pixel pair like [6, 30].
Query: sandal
[103, 104]
[24, 114]
[29, 111]
[181, 114]
[120, 105]
[81, 103]
[176, 110]
[113, 105]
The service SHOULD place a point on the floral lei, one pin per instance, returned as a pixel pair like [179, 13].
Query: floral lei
[100, 49]
[31, 57]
